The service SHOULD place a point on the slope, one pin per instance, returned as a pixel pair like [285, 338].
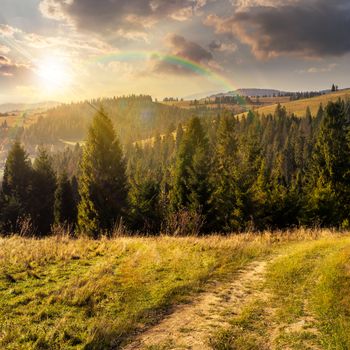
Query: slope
[298, 107]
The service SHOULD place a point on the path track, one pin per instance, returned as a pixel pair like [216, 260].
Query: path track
[190, 325]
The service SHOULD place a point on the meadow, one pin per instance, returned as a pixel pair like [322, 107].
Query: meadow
[64, 293]
[298, 107]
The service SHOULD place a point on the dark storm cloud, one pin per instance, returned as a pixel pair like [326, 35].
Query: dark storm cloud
[184, 48]
[112, 15]
[307, 28]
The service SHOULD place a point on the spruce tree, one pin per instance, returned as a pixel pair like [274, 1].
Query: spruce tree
[329, 177]
[191, 189]
[16, 189]
[65, 205]
[179, 136]
[226, 198]
[145, 211]
[43, 193]
[102, 183]
[259, 199]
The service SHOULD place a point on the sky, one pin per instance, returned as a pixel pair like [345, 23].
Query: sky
[68, 50]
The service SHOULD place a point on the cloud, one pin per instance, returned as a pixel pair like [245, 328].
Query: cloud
[312, 70]
[309, 28]
[12, 73]
[217, 45]
[7, 30]
[179, 46]
[72, 45]
[3, 60]
[188, 49]
[4, 49]
[111, 16]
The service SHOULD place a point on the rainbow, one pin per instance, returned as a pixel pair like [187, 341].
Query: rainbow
[190, 65]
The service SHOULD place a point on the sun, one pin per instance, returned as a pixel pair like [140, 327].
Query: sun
[54, 74]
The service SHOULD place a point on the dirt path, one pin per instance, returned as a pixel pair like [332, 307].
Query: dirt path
[190, 325]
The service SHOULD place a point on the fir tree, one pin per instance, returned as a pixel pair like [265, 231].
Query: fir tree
[145, 211]
[16, 189]
[103, 183]
[191, 188]
[179, 136]
[226, 197]
[329, 177]
[43, 193]
[65, 204]
[258, 199]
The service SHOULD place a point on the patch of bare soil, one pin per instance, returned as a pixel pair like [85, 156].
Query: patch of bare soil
[190, 325]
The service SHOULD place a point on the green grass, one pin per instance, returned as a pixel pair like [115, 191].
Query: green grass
[314, 278]
[60, 293]
[308, 303]
[247, 331]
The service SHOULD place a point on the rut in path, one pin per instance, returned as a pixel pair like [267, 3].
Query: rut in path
[190, 325]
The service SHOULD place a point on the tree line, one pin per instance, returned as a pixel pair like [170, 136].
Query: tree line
[135, 118]
[212, 174]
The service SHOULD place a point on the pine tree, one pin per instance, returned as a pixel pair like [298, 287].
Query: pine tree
[65, 205]
[16, 189]
[103, 183]
[43, 193]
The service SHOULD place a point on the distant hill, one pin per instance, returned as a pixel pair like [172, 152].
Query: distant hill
[135, 118]
[10, 107]
[251, 92]
[298, 107]
[199, 96]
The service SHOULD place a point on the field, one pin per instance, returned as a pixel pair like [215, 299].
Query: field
[288, 289]
[262, 102]
[268, 104]
[22, 119]
[299, 107]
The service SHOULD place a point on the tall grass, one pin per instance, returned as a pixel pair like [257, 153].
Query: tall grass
[314, 279]
[306, 303]
[63, 293]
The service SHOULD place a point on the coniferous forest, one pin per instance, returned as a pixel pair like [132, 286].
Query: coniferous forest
[207, 174]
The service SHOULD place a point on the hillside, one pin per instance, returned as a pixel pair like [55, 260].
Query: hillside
[10, 107]
[135, 118]
[163, 293]
[299, 107]
[252, 92]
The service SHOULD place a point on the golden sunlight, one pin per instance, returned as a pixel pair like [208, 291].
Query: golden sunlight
[54, 74]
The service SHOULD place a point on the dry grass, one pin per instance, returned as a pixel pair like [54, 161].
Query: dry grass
[299, 107]
[60, 293]
[308, 305]
[23, 119]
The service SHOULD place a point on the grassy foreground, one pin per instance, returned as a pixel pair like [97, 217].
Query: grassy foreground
[308, 304]
[59, 293]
